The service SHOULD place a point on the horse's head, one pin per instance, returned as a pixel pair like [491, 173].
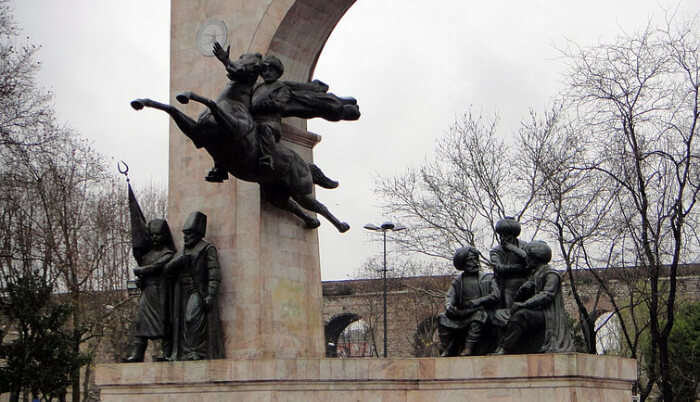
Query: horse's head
[246, 68]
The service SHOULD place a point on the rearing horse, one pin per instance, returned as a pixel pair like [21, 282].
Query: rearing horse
[227, 131]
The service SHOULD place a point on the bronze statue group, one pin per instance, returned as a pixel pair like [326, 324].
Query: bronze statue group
[178, 301]
[518, 308]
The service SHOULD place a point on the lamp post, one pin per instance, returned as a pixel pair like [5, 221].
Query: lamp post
[132, 287]
[384, 227]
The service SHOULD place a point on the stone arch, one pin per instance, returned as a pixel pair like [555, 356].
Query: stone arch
[334, 327]
[302, 33]
[607, 331]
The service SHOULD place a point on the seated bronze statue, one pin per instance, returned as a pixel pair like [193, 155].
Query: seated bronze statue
[480, 317]
[538, 322]
[463, 327]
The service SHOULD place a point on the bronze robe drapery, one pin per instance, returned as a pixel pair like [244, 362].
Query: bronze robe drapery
[197, 332]
[548, 298]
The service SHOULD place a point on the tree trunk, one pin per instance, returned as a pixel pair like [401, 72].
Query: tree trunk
[588, 329]
[75, 375]
[86, 381]
[665, 370]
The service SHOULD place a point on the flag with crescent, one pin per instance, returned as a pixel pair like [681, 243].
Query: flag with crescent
[140, 238]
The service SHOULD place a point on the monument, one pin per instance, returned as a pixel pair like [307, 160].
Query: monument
[270, 294]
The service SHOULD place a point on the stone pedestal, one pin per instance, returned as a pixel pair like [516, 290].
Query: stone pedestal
[548, 377]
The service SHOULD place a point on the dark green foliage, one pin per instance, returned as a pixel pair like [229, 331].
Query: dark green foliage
[684, 352]
[37, 353]
[684, 345]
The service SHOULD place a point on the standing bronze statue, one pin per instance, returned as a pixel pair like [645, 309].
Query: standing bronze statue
[151, 315]
[229, 131]
[508, 259]
[509, 266]
[462, 327]
[538, 322]
[197, 332]
[152, 246]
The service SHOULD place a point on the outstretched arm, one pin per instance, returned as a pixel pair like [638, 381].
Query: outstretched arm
[221, 54]
[173, 266]
[156, 266]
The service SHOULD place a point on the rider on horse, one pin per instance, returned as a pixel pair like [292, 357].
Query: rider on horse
[274, 99]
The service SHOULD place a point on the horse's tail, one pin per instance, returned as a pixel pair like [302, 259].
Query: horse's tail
[320, 178]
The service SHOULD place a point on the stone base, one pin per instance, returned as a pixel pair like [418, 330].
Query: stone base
[548, 377]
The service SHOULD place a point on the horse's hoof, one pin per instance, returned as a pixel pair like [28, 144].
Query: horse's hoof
[343, 227]
[137, 104]
[183, 98]
[313, 223]
[351, 112]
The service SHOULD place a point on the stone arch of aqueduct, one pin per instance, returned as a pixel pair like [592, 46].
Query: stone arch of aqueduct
[412, 304]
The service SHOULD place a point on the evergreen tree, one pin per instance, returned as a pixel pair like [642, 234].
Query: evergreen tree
[37, 352]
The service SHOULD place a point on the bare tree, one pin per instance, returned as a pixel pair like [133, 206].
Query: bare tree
[571, 206]
[25, 110]
[637, 99]
[66, 220]
[153, 199]
[64, 217]
[455, 199]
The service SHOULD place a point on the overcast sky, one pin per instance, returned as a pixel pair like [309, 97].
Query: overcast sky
[414, 67]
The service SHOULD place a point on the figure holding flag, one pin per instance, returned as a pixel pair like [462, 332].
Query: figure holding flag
[153, 247]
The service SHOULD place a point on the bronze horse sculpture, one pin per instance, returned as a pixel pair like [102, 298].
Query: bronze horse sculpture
[229, 132]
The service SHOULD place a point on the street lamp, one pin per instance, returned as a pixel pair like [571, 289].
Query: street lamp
[132, 287]
[385, 227]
